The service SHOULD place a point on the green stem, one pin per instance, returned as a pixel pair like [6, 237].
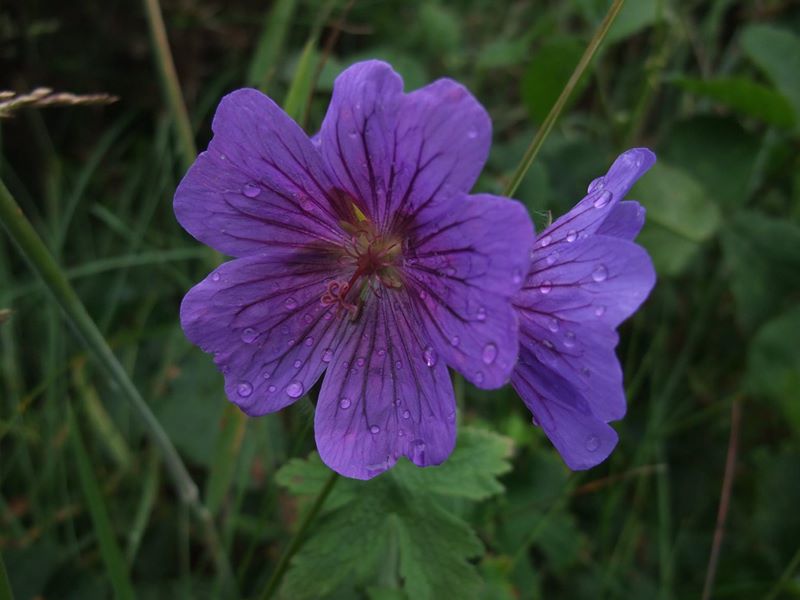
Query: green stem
[297, 540]
[35, 251]
[170, 83]
[552, 116]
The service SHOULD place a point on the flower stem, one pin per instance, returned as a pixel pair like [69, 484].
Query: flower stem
[43, 263]
[297, 540]
[170, 83]
[552, 116]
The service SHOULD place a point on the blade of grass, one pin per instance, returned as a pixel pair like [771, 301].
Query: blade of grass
[552, 116]
[147, 501]
[169, 82]
[5, 584]
[270, 44]
[109, 550]
[34, 250]
[226, 453]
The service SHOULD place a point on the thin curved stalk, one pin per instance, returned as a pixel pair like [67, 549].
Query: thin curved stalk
[555, 112]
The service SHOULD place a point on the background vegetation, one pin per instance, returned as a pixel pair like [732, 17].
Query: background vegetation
[712, 361]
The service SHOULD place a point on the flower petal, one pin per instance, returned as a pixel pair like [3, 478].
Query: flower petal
[582, 439]
[604, 194]
[260, 183]
[262, 319]
[468, 255]
[568, 311]
[380, 398]
[393, 151]
[625, 220]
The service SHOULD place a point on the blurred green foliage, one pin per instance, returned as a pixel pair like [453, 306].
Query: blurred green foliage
[713, 86]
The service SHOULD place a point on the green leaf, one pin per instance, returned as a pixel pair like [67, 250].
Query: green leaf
[471, 471]
[633, 18]
[773, 364]
[396, 527]
[745, 97]
[776, 52]
[296, 99]
[716, 151]
[680, 216]
[270, 44]
[109, 549]
[763, 256]
[547, 74]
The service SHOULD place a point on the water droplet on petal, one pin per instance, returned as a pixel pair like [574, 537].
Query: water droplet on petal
[455, 340]
[406, 414]
[545, 241]
[599, 311]
[422, 295]
[603, 199]
[479, 377]
[290, 303]
[472, 134]
[215, 277]
[597, 184]
[249, 335]
[552, 257]
[244, 389]
[592, 443]
[360, 361]
[295, 389]
[481, 316]
[417, 451]
[552, 325]
[600, 273]
[381, 352]
[429, 354]
[251, 190]
[516, 276]
[309, 341]
[327, 355]
[398, 364]
[572, 235]
[271, 388]
[489, 354]
[374, 430]
[569, 339]
[267, 375]
[308, 318]
[344, 403]
[545, 287]
[298, 363]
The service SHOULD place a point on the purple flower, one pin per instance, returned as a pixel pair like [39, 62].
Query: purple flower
[360, 253]
[586, 277]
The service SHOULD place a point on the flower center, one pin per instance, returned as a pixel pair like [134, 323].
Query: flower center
[374, 258]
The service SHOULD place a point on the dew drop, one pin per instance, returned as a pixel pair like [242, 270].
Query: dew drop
[422, 295]
[545, 287]
[298, 363]
[516, 276]
[479, 377]
[417, 451]
[569, 339]
[309, 341]
[455, 340]
[600, 273]
[398, 364]
[599, 311]
[406, 414]
[548, 344]
[267, 375]
[597, 184]
[271, 388]
[308, 318]
[249, 335]
[374, 430]
[381, 352]
[552, 325]
[603, 199]
[251, 190]
[592, 443]
[572, 235]
[489, 354]
[401, 433]
[344, 403]
[481, 316]
[472, 134]
[290, 303]
[360, 361]
[429, 354]
[215, 277]
[295, 389]
[244, 389]
[307, 205]
[551, 258]
[545, 241]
